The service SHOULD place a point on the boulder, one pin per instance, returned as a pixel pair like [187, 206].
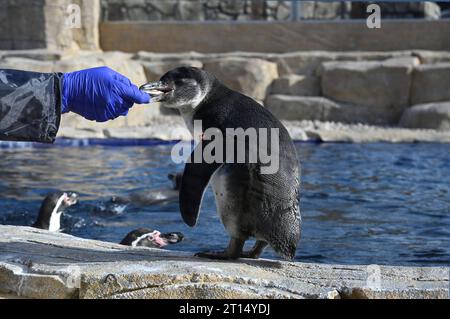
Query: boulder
[301, 85]
[37, 54]
[309, 62]
[118, 61]
[381, 86]
[26, 64]
[430, 116]
[315, 108]
[297, 108]
[39, 264]
[146, 56]
[430, 83]
[154, 70]
[305, 63]
[431, 57]
[248, 76]
[138, 116]
[332, 132]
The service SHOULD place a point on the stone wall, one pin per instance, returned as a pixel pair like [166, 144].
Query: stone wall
[42, 24]
[408, 88]
[245, 10]
[222, 10]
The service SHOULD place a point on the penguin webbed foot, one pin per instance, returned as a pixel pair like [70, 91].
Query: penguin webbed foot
[233, 251]
[256, 251]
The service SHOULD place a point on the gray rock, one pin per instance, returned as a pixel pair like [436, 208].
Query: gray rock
[39, 264]
[309, 62]
[286, 107]
[359, 133]
[315, 108]
[145, 56]
[432, 116]
[430, 83]
[118, 61]
[431, 57]
[249, 76]
[305, 63]
[38, 54]
[154, 70]
[301, 85]
[382, 86]
[26, 64]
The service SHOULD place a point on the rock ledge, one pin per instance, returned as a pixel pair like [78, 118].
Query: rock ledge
[40, 264]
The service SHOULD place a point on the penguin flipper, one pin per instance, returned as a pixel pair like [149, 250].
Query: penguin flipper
[195, 179]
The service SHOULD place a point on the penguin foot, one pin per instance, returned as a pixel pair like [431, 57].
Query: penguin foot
[249, 255]
[223, 255]
[256, 251]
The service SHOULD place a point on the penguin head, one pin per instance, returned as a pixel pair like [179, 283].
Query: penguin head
[52, 208]
[183, 87]
[145, 237]
[176, 180]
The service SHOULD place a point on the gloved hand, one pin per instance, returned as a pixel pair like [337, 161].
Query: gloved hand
[99, 94]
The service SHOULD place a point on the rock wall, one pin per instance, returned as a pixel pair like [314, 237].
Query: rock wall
[246, 10]
[39, 264]
[407, 88]
[43, 24]
[219, 10]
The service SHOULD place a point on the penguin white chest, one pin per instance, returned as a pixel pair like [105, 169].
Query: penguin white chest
[228, 205]
[55, 222]
[55, 217]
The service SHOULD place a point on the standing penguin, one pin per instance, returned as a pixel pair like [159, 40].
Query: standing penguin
[52, 207]
[249, 202]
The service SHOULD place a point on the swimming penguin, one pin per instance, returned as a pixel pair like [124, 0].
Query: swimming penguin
[145, 237]
[250, 203]
[52, 207]
[152, 196]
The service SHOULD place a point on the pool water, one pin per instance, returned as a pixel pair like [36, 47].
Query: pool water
[360, 203]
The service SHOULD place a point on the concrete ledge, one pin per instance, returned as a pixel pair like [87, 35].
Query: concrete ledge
[213, 37]
[40, 264]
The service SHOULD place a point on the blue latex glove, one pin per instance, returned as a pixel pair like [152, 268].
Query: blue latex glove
[99, 94]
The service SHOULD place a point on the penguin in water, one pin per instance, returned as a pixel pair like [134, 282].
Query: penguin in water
[150, 196]
[52, 208]
[250, 203]
[145, 237]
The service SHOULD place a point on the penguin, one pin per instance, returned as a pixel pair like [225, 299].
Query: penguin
[250, 203]
[52, 207]
[149, 196]
[145, 237]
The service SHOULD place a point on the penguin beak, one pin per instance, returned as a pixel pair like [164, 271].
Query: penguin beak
[172, 238]
[157, 90]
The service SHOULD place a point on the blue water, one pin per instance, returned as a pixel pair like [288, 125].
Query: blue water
[361, 203]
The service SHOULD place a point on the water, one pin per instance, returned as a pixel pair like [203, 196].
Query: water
[361, 203]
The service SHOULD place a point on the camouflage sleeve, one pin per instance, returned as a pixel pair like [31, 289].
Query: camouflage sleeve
[30, 106]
